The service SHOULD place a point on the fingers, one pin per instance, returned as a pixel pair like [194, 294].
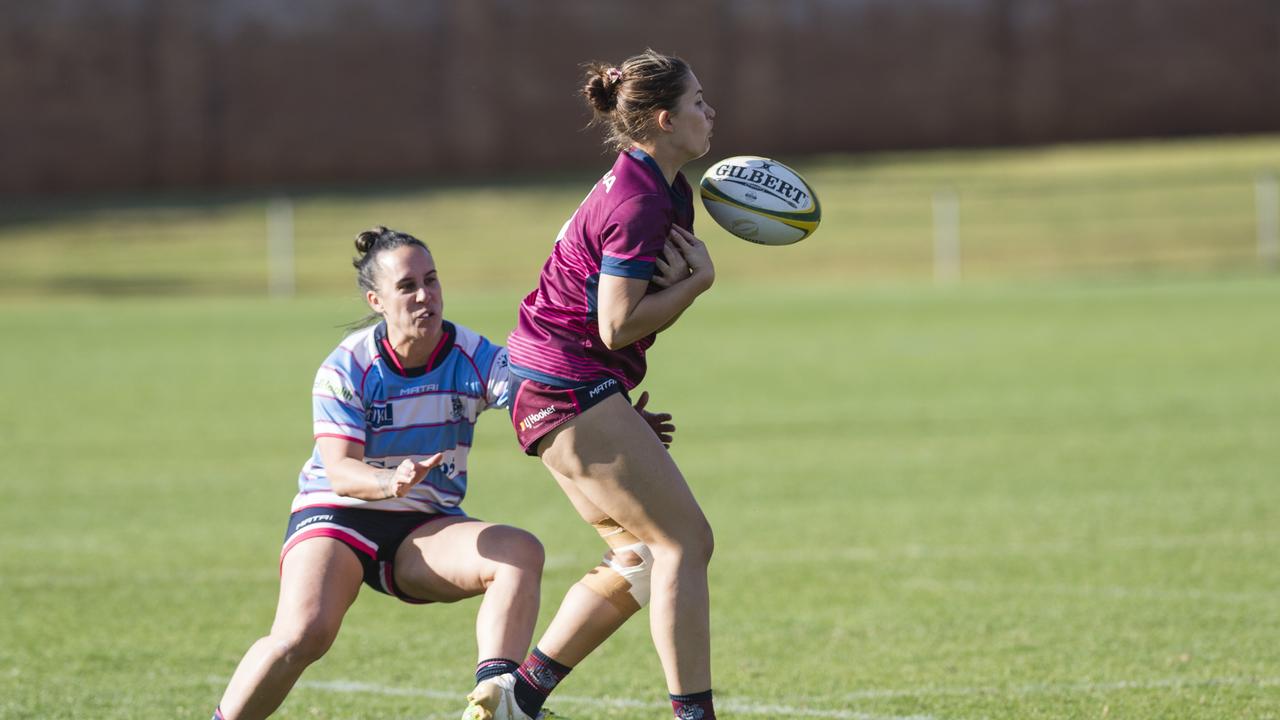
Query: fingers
[644, 400]
[432, 461]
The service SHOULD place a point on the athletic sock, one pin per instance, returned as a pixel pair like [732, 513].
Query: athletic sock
[493, 667]
[695, 706]
[535, 679]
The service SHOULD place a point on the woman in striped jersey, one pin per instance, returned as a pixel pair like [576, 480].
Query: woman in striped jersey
[624, 267]
[395, 406]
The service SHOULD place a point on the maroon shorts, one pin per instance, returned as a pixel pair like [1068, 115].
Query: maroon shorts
[540, 408]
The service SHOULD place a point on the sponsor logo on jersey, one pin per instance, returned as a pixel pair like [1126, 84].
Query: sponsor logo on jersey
[602, 387]
[537, 417]
[379, 415]
[457, 410]
[418, 389]
[329, 386]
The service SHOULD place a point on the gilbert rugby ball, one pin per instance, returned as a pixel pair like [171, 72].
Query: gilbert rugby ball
[760, 200]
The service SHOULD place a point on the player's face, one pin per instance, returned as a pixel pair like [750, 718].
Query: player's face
[408, 294]
[691, 121]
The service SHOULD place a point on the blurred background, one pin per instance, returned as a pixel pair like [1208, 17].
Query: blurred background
[998, 441]
[172, 128]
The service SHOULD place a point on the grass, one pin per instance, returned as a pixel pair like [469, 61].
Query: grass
[1033, 495]
[1068, 211]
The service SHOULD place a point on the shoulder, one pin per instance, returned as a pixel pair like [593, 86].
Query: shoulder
[356, 351]
[469, 341]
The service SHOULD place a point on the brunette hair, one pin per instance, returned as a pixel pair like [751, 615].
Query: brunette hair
[369, 245]
[373, 242]
[624, 98]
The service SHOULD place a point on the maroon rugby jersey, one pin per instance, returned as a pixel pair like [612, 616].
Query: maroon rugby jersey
[619, 229]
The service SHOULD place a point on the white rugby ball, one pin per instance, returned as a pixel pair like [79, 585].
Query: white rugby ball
[760, 200]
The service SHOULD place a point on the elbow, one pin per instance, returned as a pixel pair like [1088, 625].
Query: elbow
[612, 337]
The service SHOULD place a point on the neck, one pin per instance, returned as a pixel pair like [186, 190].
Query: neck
[412, 351]
[669, 161]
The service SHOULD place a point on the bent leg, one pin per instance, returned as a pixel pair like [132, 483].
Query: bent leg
[587, 615]
[455, 558]
[319, 579]
[615, 462]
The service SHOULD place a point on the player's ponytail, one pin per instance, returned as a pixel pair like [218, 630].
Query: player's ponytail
[623, 98]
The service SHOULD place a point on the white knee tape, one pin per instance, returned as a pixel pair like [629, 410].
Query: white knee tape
[637, 575]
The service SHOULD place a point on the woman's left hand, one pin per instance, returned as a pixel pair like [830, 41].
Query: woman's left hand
[660, 423]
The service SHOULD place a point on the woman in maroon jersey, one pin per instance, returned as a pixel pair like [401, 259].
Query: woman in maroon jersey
[624, 267]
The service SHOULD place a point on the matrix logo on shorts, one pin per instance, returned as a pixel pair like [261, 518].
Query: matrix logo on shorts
[378, 415]
[602, 387]
[537, 417]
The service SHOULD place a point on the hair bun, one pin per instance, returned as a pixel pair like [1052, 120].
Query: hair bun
[366, 240]
[601, 90]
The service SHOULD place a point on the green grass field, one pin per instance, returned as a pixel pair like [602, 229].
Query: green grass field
[1050, 492]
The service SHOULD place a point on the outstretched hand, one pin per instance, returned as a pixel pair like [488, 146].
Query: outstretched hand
[660, 423]
[409, 473]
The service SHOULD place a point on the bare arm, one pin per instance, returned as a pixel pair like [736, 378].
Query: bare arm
[627, 314]
[350, 476]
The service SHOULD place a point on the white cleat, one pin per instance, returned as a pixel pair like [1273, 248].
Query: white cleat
[495, 699]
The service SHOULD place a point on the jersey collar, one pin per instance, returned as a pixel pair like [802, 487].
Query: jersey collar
[648, 160]
[380, 341]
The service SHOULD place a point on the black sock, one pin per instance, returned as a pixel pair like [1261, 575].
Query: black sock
[493, 667]
[695, 706]
[535, 680]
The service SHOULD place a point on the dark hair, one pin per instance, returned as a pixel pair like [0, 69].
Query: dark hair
[373, 242]
[624, 97]
[369, 245]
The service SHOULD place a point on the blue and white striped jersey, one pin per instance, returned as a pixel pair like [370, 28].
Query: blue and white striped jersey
[361, 395]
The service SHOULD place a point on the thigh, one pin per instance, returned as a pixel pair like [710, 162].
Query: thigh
[618, 468]
[319, 579]
[455, 558]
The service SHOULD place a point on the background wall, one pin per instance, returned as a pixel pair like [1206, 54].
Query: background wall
[131, 94]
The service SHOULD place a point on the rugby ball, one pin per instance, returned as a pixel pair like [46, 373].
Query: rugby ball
[760, 200]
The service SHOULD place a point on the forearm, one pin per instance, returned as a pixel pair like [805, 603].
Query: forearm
[655, 311]
[353, 478]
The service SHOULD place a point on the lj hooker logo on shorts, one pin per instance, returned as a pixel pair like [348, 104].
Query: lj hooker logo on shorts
[537, 417]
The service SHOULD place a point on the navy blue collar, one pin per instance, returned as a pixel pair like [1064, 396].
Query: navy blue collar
[647, 159]
[437, 356]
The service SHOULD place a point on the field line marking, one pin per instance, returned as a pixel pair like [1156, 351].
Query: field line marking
[1064, 688]
[741, 707]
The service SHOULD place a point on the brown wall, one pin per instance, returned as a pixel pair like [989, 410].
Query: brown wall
[124, 94]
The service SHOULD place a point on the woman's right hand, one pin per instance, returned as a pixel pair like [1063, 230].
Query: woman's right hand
[695, 254]
[408, 473]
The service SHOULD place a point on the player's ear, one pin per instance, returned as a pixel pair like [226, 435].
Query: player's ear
[374, 301]
[664, 121]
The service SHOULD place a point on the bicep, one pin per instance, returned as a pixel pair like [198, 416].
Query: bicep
[617, 296]
[333, 450]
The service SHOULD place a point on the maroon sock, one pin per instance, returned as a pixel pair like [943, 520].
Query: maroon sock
[695, 706]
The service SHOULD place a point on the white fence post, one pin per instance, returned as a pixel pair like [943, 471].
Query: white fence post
[946, 236]
[280, 274]
[1267, 199]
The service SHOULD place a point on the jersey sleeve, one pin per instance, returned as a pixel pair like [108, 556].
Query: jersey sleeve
[632, 240]
[336, 407]
[491, 361]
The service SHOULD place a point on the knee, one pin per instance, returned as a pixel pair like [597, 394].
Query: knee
[522, 550]
[305, 645]
[694, 544]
